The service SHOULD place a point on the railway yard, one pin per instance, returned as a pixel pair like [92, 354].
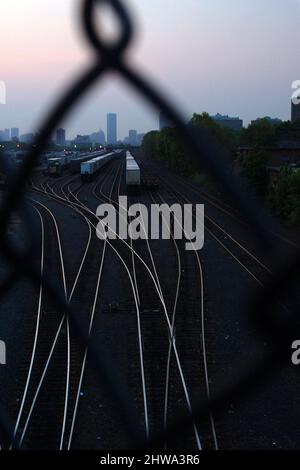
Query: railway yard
[173, 322]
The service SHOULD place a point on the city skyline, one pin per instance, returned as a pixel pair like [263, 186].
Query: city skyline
[17, 132]
[62, 137]
[231, 68]
[62, 134]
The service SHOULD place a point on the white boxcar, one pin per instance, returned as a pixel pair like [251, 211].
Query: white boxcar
[89, 168]
[133, 173]
[129, 156]
[83, 157]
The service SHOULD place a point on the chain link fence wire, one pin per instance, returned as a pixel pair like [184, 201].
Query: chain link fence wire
[263, 309]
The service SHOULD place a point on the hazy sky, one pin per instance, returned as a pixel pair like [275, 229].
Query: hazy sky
[229, 56]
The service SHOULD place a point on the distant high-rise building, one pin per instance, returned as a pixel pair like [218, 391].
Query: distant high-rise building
[140, 138]
[14, 133]
[27, 138]
[6, 134]
[234, 123]
[132, 137]
[61, 137]
[295, 112]
[82, 140]
[111, 129]
[98, 137]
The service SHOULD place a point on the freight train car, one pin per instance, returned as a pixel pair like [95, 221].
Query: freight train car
[76, 162]
[120, 152]
[133, 173]
[57, 165]
[90, 168]
[129, 156]
[54, 167]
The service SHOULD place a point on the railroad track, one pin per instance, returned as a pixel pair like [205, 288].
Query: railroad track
[41, 362]
[49, 331]
[79, 206]
[171, 325]
[257, 269]
[92, 216]
[216, 203]
[128, 254]
[167, 377]
[116, 251]
[182, 383]
[179, 321]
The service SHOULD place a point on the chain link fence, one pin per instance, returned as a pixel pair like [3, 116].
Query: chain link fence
[265, 310]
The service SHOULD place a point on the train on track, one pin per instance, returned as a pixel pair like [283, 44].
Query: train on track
[133, 173]
[56, 165]
[90, 168]
[77, 162]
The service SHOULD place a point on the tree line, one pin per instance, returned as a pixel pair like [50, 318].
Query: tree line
[282, 196]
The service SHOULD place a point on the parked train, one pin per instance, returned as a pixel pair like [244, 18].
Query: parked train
[133, 173]
[76, 162]
[90, 168]
[56, 165]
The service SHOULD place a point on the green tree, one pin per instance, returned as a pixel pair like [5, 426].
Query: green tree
[260, 133]
[227, 137]
[284, 196]
[288, 131]
[149, 144]
[253, 169]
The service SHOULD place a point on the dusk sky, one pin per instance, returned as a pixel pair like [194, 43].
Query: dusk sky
[234, 57]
